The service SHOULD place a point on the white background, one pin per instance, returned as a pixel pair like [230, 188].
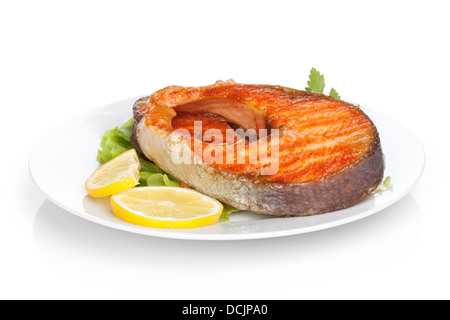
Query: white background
[60, 58]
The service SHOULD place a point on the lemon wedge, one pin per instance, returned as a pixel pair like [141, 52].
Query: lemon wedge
[166, 207]
[117, 175]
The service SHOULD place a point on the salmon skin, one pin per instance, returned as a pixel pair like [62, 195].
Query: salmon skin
[329, 155]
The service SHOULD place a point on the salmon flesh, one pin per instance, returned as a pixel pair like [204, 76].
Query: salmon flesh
[320, 154]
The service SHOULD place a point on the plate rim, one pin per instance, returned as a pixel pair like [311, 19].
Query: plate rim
[169, 233]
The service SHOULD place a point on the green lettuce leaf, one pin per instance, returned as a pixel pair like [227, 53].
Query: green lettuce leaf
[227, 210]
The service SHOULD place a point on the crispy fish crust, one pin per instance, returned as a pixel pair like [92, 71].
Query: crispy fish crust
[330, 155]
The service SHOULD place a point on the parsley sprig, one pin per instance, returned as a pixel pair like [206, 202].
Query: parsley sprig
[316, 83]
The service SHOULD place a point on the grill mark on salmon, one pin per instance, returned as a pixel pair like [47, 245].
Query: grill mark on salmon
[330, 155]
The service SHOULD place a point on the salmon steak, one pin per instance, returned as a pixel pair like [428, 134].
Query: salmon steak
[262, 148]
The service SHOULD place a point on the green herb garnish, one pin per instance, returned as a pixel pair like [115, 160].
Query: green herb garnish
[334, 93]
[316, 81]
[384, 186]
[227, 210]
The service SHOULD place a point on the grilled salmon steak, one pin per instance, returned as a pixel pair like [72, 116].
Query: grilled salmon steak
[320, 154]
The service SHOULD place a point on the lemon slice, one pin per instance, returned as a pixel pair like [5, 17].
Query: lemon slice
[119, 174]
[166, 207]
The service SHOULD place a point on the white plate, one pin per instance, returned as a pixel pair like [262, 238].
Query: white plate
[66, 156]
